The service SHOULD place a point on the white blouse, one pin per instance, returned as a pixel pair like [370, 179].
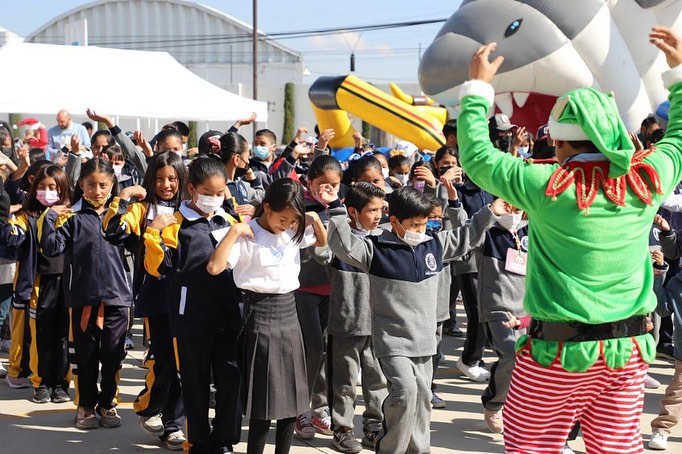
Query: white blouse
[268, 263]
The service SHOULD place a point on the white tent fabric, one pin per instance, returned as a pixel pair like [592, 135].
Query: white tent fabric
[120, 82]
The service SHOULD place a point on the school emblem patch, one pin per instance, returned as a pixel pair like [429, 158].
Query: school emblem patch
[524, 243]
[431, 262]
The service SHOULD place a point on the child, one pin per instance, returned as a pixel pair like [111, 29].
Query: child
[349, 345]
[266, 266]
[96, 292]
[203, 308]
[403, 265]
[38, 286]
[501, 283]
[399, 171]
[368, 169]
[264, 147]
[243, 183]
[159, 404]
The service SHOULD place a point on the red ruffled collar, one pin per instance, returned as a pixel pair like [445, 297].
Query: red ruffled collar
[589, 176]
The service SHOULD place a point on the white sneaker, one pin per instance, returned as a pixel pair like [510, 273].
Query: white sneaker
[152, 425]
[658, 441]
[475, 373]
[3, 371]
[567, 450]
[650, 382]
[175, 440]
[129, 345]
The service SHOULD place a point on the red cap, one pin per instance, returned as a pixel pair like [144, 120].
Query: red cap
[33, 123]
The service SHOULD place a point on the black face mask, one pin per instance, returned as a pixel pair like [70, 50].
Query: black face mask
[442, 170]
[240, 172]
[7, 151]
[503, 143]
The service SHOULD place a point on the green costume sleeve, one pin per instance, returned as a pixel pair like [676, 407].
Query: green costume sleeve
[501, 174]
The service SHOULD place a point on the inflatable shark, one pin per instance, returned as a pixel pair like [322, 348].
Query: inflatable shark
[552, 46]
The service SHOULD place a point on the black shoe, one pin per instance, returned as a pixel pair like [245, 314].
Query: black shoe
[59, 396]
[454, 332]
[665, 351]
[370, 439]
[346, 442]
[40, 395]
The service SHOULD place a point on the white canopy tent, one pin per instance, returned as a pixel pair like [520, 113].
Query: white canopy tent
[126, 83]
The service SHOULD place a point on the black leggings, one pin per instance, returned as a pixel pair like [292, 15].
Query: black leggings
[258, 435]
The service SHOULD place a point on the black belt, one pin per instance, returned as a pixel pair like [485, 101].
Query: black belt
[580, 332]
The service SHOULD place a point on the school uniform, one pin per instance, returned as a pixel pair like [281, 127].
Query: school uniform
[403, 293]
[125, 223]
[38, 287]
[97, 293]
[349, 347]
[205, 321]
[266, 269]
[500, 291]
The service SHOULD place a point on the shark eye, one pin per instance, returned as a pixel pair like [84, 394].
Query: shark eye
[513, 28]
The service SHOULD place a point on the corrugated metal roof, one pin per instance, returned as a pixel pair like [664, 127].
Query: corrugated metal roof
[191, 32]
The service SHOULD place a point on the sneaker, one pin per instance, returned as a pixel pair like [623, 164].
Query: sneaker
[474, 373]
[59, 396]
[17, 382]
[323, 425]
[110, 417]
[152, 425]
[436, 401]
[3, 371]
[5, 345]
[175, 440]
[86, 418]
[304, 426]
[493, 419]
[370, 438]
[41, 395]
[650, 382]
[658, 441]
[346, 442]
[129, 344]
[454, 332]
[567, 450]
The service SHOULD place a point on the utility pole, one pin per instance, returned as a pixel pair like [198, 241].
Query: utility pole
[255, 49]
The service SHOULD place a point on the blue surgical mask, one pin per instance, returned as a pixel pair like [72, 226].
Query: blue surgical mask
[434, 225]
[261, 152]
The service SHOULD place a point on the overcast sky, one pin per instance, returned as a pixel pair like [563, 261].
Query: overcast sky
[381, 56]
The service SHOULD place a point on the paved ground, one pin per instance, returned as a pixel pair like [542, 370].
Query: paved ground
[26, 427]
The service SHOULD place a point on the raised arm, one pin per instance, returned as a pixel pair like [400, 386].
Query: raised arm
[220, 257]
[124, 220]
[54, 230]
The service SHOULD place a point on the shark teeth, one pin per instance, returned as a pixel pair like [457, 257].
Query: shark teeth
[520, 98]
[506, 102]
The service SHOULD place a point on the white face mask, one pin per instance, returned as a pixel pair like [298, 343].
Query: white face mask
[359, 230]
[524, 152]
[47, 197]
[413, 239]
[403, 178]
[118, 169]
[384, 172]
[209, 204]
[512, 222]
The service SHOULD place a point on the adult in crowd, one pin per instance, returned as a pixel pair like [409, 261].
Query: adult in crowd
[59, 136]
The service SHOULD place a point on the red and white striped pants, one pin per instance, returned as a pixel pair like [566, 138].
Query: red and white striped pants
[544, 402]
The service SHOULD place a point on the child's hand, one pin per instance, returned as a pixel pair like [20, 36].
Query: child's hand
[162, 221]
[245, 210]
[657, 258]
[662, 223]
[301, 150]
[328, 193]
[94, 116]
[133, 191]
[326, 136]
[75, 144]
[61, 209]
[513, 322]
[454, 174]
[300, 132]
[667, 41]
[423, 173]
[649, 323]
[499, 207]
[449, 185]
[311, 218]
[242, 230]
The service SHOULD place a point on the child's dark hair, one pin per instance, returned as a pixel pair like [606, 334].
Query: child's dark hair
[360, 194]
[450, 128]
[115, 152]
[92, 166]
[282, 194]
[360, 166]
[32, 206]
[232, 143]
[397, 162]
[414, 167]
[166, 134]
[267, 133]
[181, 127]
[443, 152]
[203, 168]
[105, 133]
[32, 170]
[407, 202]
[209, 142]
[323, 164]
[434, 201]
[35, 154]
[157, 162]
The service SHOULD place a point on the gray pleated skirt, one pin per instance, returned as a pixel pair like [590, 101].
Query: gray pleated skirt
[274, 368]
